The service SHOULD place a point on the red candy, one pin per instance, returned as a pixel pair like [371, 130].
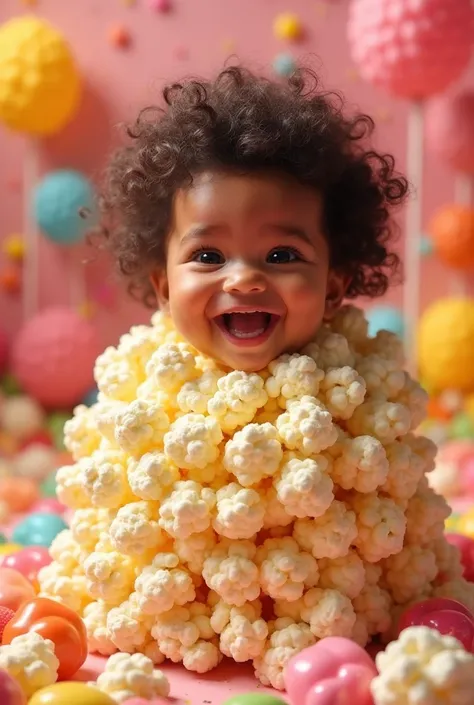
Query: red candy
[6, 615]
[10, 691]
[28, 561]
[446, 616]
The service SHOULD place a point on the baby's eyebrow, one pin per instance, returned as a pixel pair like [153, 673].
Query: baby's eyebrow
[196, 232]
[291, 231]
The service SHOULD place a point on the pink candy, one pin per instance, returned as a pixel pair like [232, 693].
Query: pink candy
[28, 561]
[335, 670]
[50, 505]
[10, 691]
[446, 616]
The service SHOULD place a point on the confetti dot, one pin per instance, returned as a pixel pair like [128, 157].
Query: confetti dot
[160, 5]
[86, 309]
[352, 74]
[284, 64]
[426, 246]
[288, 26]
[228, 45]
[10, 280]
[14, 247]
[119, 37]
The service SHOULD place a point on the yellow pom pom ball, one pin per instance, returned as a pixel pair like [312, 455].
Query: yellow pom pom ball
[39, 83]
[288, 26]
[446, 345]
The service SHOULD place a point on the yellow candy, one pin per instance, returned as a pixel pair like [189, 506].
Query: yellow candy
[14, 248]
[465, 525]
[7, 548]
[451, 524]
[72, 693]
[287, 26]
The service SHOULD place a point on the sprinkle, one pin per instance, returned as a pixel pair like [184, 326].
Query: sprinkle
[119, 37]
[284, 64]
[288, 26]
[160, 5]
[14, 248]
[228, 45]
[86, 310]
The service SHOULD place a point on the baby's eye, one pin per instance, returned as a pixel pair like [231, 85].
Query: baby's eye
[283, 255]
[208, 257]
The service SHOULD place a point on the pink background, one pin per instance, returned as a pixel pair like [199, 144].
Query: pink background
[195, 38]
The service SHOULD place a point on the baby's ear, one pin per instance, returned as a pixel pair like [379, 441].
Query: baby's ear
[159, 282]
[337, 285]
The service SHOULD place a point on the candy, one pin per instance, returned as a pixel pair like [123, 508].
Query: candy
[10, 691]
[28, 561]
[39, 529]
[56, 622]
[18, 492]
[72, 693]
[446, 616]
[333, 670]
[14, 589]
[6, 614]
[7, 548]
[48, 505]
[466, 547]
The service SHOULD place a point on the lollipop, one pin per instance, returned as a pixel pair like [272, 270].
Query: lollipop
[452, 234]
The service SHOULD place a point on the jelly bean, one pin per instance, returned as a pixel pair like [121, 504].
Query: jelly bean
[48, 505]
[14, 589]
[254, 699]
[7, 548]
[411, 616]
[71, 693]
[10, 691]
[55, 622]
[39, 529]
[28, 561]
[19, 493]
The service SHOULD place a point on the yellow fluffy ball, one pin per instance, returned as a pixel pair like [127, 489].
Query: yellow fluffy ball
[39, 83]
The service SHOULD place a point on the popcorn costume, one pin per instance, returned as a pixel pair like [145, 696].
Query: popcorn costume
[245, 515]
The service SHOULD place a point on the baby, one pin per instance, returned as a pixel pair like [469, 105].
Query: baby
[248, 210]
[249, 480]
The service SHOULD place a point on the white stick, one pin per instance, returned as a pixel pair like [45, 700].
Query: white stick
[414, 223]
[31, 234]
[463, 187]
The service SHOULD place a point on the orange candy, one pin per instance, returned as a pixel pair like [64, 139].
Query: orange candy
[19, 493]
[452, 233]
[14, 589]
[437, 411]
[56, 622]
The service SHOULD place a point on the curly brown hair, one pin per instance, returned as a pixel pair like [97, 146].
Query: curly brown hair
[243, 122]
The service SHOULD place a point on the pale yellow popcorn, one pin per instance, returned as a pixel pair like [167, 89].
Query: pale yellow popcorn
[110, 576]
[330, 350]
[69, 487]
[328, 613]
[362, 464]
[135, 529]
[306, 426]
[384, 377]
[384, 420]
[187, 509]
[405, 470]
[141, 427]
[81, 435]
[232, 573]
[292, 377]
[342, 391]
[287, 639]
[374, 605]
[351, 323]
[238, 397]
[127, 626]
[387, 345]
[115, 377]
[138, 346]
[240, 512]
[409, 571]
[329, 535]
[65, 550]
[171, 365]
[253, 453]
[30, 660]
[243, 639]
[345, 574]
[194, 396]
[448, 559]
[181, 627]
[132, 676]
[163, 584]
[194, 549]
[305, 488]
[64, 585]
[415, 399]
[95, 621]
[422, 666]
[104, 479]
[88, 524]
[193, 441]
[426, 514]
[285, 570]
[424, 448]
[381, 526]
[275, 516]
[152, 476]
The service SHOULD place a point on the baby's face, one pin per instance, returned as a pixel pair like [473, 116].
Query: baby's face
[247, 270]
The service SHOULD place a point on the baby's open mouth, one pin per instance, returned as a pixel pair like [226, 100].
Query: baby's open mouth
[247, 325]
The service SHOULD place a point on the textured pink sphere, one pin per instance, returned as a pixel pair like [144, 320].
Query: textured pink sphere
[411, 48]
[450, 129]
[53, 357]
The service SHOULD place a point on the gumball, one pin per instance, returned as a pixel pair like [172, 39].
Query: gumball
[10, 691]
[6, 615]
[466, 547]
[39, 529]
[28, 561]
[41, 437]
[71, 693]
[443, 614]
[14, 589]
[7, 548]
[49, 505]
[18, 492]
[254, 699]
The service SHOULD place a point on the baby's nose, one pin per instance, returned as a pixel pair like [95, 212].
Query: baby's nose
[245, 279]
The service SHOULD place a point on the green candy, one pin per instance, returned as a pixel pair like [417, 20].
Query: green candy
[254, 699]
[10, 386]
[462, 427]
[55, 425]
[48, 486]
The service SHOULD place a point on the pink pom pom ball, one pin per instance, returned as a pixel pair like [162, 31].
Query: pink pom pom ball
[450, 129]
[53, 357]
[411, 49]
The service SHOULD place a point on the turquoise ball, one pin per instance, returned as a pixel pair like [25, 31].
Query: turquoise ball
[91, 397]
[385, 318]
[38, 529]
[57, 203]
[284, 65]
[254, 699]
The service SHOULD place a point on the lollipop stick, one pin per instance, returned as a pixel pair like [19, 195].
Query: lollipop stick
[414, 221]
[463, 196]
[31, 262]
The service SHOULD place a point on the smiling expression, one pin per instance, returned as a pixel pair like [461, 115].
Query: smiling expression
[248, 273]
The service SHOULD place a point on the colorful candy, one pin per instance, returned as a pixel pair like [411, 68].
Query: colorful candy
[39, 529]
[6, 614]
[7, 548]
[49, 505]
[335, 670]
[445, 615]
[72, 693]
[10, 691]
[466, 548]
[56, 622]
[18, 492]
[14, 589]
[28, 561]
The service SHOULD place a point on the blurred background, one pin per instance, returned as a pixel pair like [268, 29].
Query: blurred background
[95, 63]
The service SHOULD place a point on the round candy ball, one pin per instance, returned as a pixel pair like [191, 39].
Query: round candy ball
[48, 487]
[70, 693]
[91, 397]
[49, 505]
[40, 86]
[446, 344]
[450, 129]
[412, 50]
[14, 589]
[19, 493]
[6, 549]
[385, 318]
[10, 690]
[53, 356]
[38, 529]
[452, 234]
[28, 561]
[21, 417]
[37, 461]
[55, 423]
[57, 203]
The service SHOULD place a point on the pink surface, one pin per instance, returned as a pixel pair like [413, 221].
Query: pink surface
[213, 688]
[195, 37]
